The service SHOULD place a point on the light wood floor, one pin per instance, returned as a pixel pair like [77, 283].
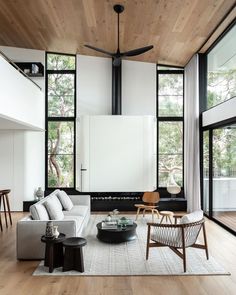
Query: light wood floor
[16, 277]
[226, 217]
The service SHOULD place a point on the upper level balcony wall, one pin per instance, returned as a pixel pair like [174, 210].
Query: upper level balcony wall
[21, 101]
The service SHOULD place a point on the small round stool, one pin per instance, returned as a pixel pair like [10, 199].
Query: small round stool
[53, 251]
[167, 215]
[73, 258]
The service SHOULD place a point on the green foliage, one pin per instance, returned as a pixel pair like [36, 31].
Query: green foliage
[221, 86]
[60, 62]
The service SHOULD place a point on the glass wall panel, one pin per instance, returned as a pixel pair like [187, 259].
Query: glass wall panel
[170, 152]
[170, 95]
[221, 74]
[224, 175]
[60, 154]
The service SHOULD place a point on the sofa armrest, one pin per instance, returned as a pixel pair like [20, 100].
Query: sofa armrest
[81, 200]
[29, 232]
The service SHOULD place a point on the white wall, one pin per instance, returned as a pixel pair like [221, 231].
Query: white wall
[26, 55]
[221, 112]
[20, 99]
[94, 87]
[22, 159]
[138, 88]
[94, 78]
[22, 164]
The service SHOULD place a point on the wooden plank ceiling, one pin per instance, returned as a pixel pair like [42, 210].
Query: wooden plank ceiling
[176, 28]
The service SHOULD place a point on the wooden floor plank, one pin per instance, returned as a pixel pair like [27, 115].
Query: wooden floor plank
[16, 277]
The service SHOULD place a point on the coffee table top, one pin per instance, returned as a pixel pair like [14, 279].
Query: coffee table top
[53, 240]
[118, 229]
[74, 242]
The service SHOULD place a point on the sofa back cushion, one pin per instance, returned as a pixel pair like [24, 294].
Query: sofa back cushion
[192, 217]
[65, 200]
[39, 212]
[54, 208]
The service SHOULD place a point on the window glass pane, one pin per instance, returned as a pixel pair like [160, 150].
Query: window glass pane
[206, 172]
[61, 88]
[60, 171]
[170, 152]
[170, 95]
[221, 76]
[224, 175]
[60, 62]
[60, 154]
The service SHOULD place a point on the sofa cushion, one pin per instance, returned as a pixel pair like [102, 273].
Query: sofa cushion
[78, 220]
[192, 217]
[77, 210]
[65, 200]
[39, 212]
[54, 208]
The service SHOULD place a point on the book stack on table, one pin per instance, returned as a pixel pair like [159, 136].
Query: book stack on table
[109, 224]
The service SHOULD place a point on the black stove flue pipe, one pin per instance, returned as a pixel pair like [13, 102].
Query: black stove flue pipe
[116, 90]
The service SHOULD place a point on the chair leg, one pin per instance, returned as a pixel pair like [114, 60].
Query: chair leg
[184, 258]
[137, 213]
[153, 215]
[0, 214]
[170, 219]
[144, 212]
[148, 238]
[162, 219]
[205, 241]
[8, 208]
[5, 212]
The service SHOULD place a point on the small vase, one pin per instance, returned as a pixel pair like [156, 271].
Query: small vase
[39, 193]
[49, 230]
[55, 231]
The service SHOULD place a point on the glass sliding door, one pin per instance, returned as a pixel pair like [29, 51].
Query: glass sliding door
[224, 175]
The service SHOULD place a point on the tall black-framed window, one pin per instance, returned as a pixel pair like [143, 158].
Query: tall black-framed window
[170, 125]
[60, 120]
[218, 140]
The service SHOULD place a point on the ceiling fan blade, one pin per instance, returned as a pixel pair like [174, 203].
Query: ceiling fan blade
[99, 50]
[116, 61]
[137, 51]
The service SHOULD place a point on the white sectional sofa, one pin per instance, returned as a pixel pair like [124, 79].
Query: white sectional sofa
[30, 229]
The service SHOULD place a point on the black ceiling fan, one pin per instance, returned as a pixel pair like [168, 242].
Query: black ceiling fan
[117, 56]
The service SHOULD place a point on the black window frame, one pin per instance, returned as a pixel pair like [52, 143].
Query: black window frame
[177, 70]
[60, 119]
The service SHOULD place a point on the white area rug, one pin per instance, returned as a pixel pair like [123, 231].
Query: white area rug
[102, 259]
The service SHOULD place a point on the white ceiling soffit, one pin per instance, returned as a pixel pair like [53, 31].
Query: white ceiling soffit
[10, 124]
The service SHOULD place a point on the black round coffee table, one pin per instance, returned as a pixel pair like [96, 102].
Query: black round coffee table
[118, 235]
[73, 259]
[53, 251]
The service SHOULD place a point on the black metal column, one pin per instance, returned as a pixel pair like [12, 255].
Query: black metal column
[116, 90]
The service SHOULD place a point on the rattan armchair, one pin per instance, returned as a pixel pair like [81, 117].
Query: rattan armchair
[176, 236]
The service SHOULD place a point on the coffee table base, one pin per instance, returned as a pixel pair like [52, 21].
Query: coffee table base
[116, 236]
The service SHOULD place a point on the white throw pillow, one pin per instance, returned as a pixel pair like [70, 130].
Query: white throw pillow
[39, 212]
[54, 208]
[192, 217]
[65, 200]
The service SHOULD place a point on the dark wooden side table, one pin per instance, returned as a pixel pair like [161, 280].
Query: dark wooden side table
[53, 251]
[73, 259]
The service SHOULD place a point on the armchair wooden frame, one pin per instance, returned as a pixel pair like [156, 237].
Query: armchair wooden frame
[186, 236]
